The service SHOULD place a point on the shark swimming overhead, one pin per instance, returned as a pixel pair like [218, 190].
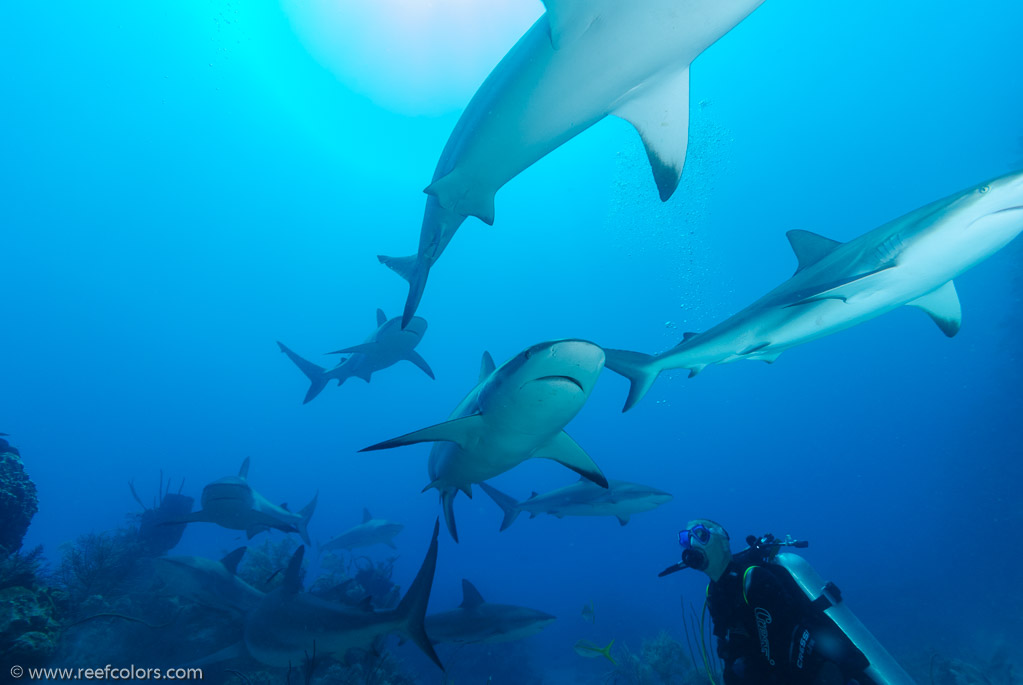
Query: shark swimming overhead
[284, 627]
[516, 412]
[583, 498]
[387, 345]
[476, 621]
[908, 261]
[580, 62]
[232, 503]
[370, 532]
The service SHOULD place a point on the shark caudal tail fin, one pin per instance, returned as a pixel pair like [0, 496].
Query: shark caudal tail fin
[412, 608]
[317, 375]
[641, 370]
[508, 505]
[413, 270]
[307, 513]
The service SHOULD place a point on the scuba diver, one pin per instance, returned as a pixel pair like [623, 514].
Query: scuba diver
[776, 621]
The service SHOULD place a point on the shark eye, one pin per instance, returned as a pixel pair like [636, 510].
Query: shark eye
[528, 353]
[984, 189]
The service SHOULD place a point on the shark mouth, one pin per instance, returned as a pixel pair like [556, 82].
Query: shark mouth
[563, 378]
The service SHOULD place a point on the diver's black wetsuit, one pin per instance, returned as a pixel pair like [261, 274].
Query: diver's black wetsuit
[769, 633]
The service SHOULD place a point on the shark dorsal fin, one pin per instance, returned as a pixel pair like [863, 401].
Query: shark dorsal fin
[381, 317]
[231, 561]
[293, 574]
[243, 472]
[569, 19]
[688, 335]
[487, 365]
[809, 247]
[284, 506]
[471, 597]
[942, 305]
[365, 604]
[366, 516]
[533, 494]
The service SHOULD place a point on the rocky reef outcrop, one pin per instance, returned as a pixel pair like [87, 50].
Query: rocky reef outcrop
[18, 499]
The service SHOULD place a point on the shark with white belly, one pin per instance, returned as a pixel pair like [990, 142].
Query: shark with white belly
[620, 499]
[580, 62]
[389, 344]
[909, 261]
[232, 503]
[516, 412]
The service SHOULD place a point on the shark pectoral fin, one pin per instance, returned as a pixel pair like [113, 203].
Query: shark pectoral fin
[418, 360]
[487, 365]
[843, 290]
[569, 19]
[253, 531]
[564, 450]
[460, 431]
[230, 562]
[809, 247]
[381, 317]
[943, 306]
[457, 194]
[356, 349]
[660, 112]
[623, 519]
[390, 543]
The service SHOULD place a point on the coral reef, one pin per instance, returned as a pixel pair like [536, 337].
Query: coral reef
[661, 661]
[349, 580]
[29, 610]
[998, 671]
[263, 566]
[156, 531]
[18, 500]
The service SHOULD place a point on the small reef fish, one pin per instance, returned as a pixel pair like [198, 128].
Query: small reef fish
[591, 651]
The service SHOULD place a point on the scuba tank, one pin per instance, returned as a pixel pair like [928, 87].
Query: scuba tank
[882, 668]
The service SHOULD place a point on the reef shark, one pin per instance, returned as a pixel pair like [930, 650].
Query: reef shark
[516, 412]
[370, 532]
[387, 345]
[580, 62]
[620, 499]
[211, 583]
[232, 503]
[909, 261]
[476, 620]
[288, 624]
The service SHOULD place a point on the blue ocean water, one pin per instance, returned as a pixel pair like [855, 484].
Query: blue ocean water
[185, 183]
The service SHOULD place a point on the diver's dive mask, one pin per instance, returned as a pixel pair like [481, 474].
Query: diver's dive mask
[694, 557]
[704, 548]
